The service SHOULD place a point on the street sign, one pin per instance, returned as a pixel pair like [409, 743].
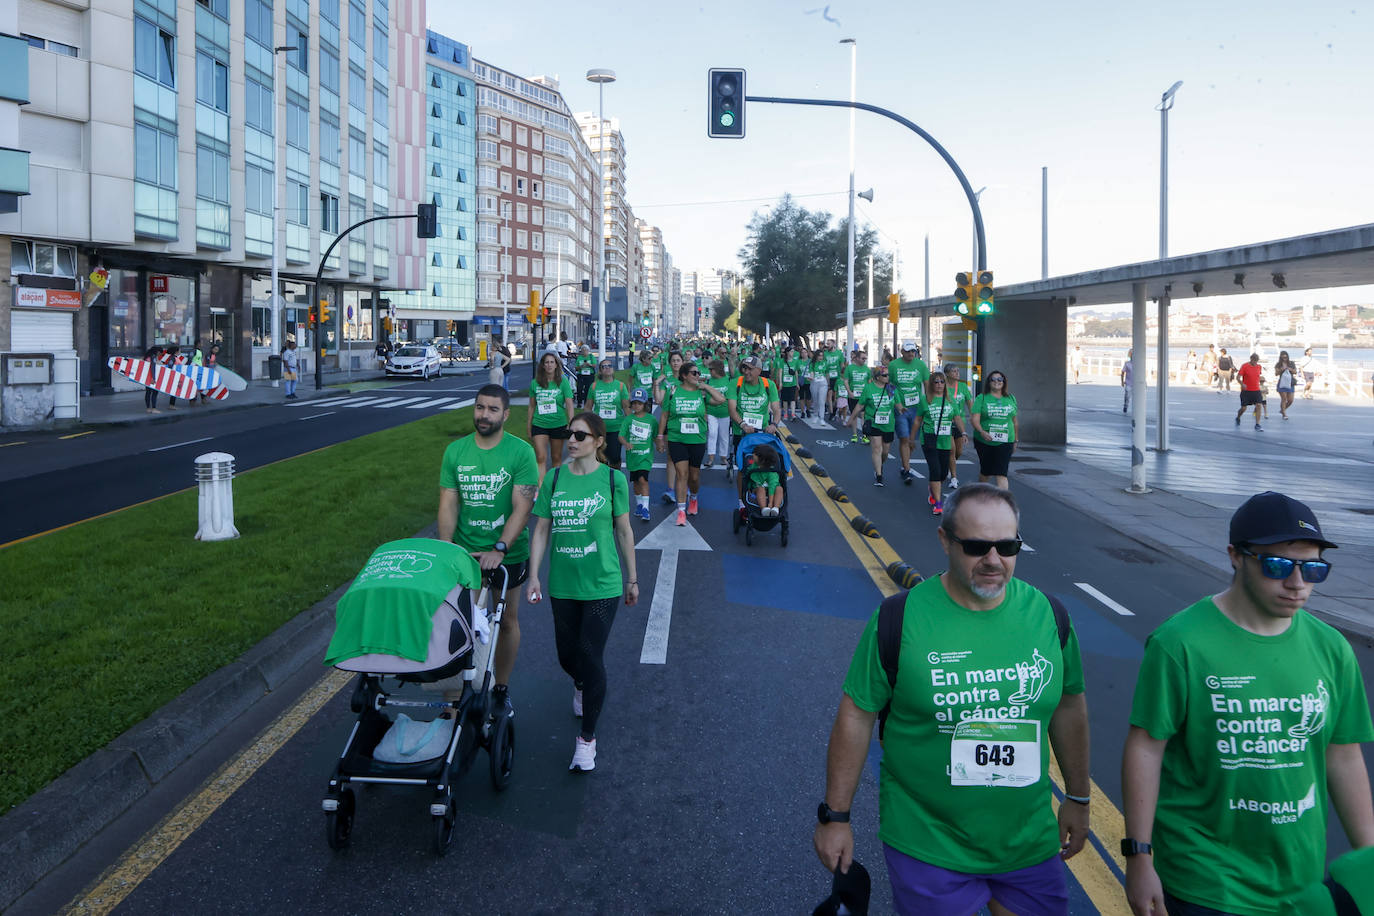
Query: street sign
[646, 333]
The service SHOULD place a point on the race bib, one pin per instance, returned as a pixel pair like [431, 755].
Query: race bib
[789, 379]
[608, 413]
[998, 435]
[882, 417]
[833, 373]
[584, 371]
[754, 420]
[943, 429]
[547, 408]
[995, 753]
[843, 391]
[690, 428]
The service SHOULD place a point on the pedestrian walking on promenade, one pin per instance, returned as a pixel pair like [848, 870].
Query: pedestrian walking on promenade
[1285, 378]
[1209, 366]
[936, 415]
[1226, 370]
[961, 396]
[953, 843]
[1076, 362]
[1127, 376]
[581, 518]
[909, 375]
[682, 433]
[487, 485]
[551, 407]
[153, 355]
[1308, 368]
[718, 418]
[1250, 396]
[609, 397]
[290, 363]
[1247, 721]
[877, 407]
[995, 429]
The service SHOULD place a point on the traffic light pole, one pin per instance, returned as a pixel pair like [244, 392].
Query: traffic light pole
[319, 278]
[979, 235]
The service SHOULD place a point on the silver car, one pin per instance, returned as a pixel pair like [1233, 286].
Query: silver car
[416, 361]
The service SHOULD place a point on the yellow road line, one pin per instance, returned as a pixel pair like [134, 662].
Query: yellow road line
[157, 844]
[1089, 868]
[8, 444]
[77, 435]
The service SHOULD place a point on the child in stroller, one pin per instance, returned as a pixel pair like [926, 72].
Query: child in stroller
[764, 482]
[764, 468]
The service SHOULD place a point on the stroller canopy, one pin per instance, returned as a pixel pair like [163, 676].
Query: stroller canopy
[748, 443]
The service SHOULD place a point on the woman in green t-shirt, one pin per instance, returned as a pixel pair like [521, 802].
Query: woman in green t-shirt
[682, 429]
[994, 428]
[610, 399]
[717, 418]
[877, 407]
[551, 406]
[936, 413]
[786, 370]
[581, 517]
[663, 389]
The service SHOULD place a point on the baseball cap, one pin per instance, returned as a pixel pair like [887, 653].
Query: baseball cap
[909, 346]
[641, 395]
[849, 892]
[1272, 518]
[752, 362]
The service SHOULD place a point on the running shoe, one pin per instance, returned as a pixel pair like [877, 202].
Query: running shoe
[953, 482]
[939, 508]
[908, 477]
[584, 755]
[1258, 427]
[878, 480]
[669, 497]
[642, 513]
[577, 703]
[931, 500]
[854, 438]
[681, 518]
[500, 702]
[709, 461]
[863, 439]
[1237, 419]
[692, 505]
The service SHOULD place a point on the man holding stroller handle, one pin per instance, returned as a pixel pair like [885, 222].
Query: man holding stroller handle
[966, 811]
[487, 485]
[753, 402]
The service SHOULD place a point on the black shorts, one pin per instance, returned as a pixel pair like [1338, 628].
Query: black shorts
[789, 393]
[834, 383]
[870, 432]
[639, 474]
[853, 402]
[553, 432]
[994, 458]
[613, 449]
[691, 452]
[1248, 398]
[517, 573]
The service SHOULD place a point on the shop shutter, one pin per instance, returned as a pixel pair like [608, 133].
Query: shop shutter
[41, 332]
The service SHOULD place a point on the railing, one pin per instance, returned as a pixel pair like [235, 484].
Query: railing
[1343, 381]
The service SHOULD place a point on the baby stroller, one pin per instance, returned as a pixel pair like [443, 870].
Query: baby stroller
[405, 618]
[751, 517]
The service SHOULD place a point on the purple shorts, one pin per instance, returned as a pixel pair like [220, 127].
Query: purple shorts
[928, 890]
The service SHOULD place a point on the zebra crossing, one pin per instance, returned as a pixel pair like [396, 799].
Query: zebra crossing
[425, 402]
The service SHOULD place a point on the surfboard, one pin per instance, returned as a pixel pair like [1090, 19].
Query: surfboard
[230, 379]
[217, 394]
[205, 377]
[157, 377]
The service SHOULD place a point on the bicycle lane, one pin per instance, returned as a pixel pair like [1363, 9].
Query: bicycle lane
[710, 760]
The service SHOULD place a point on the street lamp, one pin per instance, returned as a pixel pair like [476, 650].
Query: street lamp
[977, 195]
[1166, 102]
[849, 262]
[601, 77]
[278, 342]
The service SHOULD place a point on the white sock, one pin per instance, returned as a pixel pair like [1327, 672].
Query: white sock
[641, 500]
[682, 507]
[691, 495]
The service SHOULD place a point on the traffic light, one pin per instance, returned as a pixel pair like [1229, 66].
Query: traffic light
[963, 293]
[324, 311]
[726, 104]
[426, 221]
[533, 312]
[983, 294]
[545, 314]
[586, 286]
[452, 326]
[311, 319]
[894, 308]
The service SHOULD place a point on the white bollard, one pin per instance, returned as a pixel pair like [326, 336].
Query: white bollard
[215, 475]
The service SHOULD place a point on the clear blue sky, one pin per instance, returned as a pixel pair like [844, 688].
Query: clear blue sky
[1270, 135]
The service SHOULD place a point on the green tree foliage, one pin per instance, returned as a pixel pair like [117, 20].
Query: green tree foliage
[724, 312]
[795, 260]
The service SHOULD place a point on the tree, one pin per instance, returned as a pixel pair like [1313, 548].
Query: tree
[724, 312]
[795, 260]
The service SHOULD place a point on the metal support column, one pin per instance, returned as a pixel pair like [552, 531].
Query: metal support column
[1138, 374]
[1162, 370]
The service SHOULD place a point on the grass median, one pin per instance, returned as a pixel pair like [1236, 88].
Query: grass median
[106, 621]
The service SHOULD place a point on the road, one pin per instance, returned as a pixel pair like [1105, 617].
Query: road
[710, 763]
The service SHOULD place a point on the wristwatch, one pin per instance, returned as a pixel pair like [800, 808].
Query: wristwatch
[826, 815]
[1130, 847]
[501, 546]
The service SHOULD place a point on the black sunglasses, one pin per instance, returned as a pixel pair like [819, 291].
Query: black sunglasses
[1274, 567]
[581, 435]
[972, 548]
[694, 372]
[996, 378]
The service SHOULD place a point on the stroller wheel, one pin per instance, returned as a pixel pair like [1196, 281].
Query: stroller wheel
[443, 831]
[783, 536]
[734, 520]
[749, 535]
[501, 752]
[338, 824]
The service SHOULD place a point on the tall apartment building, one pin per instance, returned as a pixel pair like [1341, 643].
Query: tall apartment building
[608, 145]
[651, 240]
[157, 133]
[538, 215]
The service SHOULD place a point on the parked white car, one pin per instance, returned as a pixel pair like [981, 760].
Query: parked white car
[416, 362]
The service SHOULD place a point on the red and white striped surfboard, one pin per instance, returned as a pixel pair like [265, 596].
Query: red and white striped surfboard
[159, 378]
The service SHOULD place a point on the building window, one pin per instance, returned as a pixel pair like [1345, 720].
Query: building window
[329, 70]
[357, 89]
[505, 129]
[299, 58]
[462, 235]
[257, 22]
[154, 52]
[536, 191]
[257, 190]
[522, 267]
[212, 175]
[329, 213]
[462, 118]
[41, 258]
[462, 176]
[462, 261]
[462, 89]
[297, 203]
[520, 186]
[357, 153]
[212, 82]
[155, 156]
[522, 214]
[379, 104]
[436, 111]
[357, 25]
[257, 106]
[297, 126]
[522, 160]
[537, 241]
[329, 141]
[462, 208]
[381, 163]
[522, 136]
[219, 7]
[505, 182]
[522, 239]
[379, 49]
[522, 292]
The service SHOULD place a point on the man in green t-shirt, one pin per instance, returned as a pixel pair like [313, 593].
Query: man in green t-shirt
[638, 434]
[985, 686]
[752, 402]
[1247, 720]
[909, 374]
[487, 485]
[585, 365]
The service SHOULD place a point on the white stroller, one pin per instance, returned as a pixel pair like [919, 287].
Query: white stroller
[379, 629]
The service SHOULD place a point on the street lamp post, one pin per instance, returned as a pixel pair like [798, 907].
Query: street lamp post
[1166, 102]
[601, 77]
[977, 195]
[277, 334]
[849, 261]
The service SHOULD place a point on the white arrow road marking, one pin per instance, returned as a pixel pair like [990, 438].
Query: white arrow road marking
[669, 538]
[1124, 612]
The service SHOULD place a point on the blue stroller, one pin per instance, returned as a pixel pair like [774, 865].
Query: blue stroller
[752, 518]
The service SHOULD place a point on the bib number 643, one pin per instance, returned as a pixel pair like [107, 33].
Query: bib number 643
[994, 754]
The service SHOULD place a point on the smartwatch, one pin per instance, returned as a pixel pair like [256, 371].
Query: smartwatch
[501, 546]
[826, 815]
[1130, 847]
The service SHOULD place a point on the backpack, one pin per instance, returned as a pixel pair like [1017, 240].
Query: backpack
[553, 488]
[891, 614]
[739, 383]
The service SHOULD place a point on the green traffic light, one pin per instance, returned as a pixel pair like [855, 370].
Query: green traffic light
[727, 119]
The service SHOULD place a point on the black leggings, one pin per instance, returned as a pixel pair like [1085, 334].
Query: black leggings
[149, 397]
[580, 630]
[937, 459]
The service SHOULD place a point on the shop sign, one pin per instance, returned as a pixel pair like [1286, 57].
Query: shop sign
[100, 278]
[157, 283]
[36, 298]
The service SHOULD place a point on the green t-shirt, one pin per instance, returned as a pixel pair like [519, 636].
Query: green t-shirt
[880, 406]
[834, 359]
[484, 479]
[608, 398]
[1241, 820]
[586, 365]
[959, 395]
[639, 442]
[937, 418]
[767, 479]
[969, 683]
[788, 373]
[643, 374]
[720, 384]
[547, 407]
[686, 413]
[995, 415]
[583, 562]
[752, 402]
[854, 377]
[910, 379]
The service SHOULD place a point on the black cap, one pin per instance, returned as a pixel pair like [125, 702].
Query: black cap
[1272, 518]
[851, 889]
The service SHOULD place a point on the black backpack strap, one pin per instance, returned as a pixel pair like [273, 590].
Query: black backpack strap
[1061, 618]
[891, 614]
[1341, 899]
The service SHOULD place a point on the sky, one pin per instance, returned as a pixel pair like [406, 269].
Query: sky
[1269, 137]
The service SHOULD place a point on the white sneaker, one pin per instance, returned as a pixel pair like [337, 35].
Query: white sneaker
[577, 703]
[584, 755]
[953, 482]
